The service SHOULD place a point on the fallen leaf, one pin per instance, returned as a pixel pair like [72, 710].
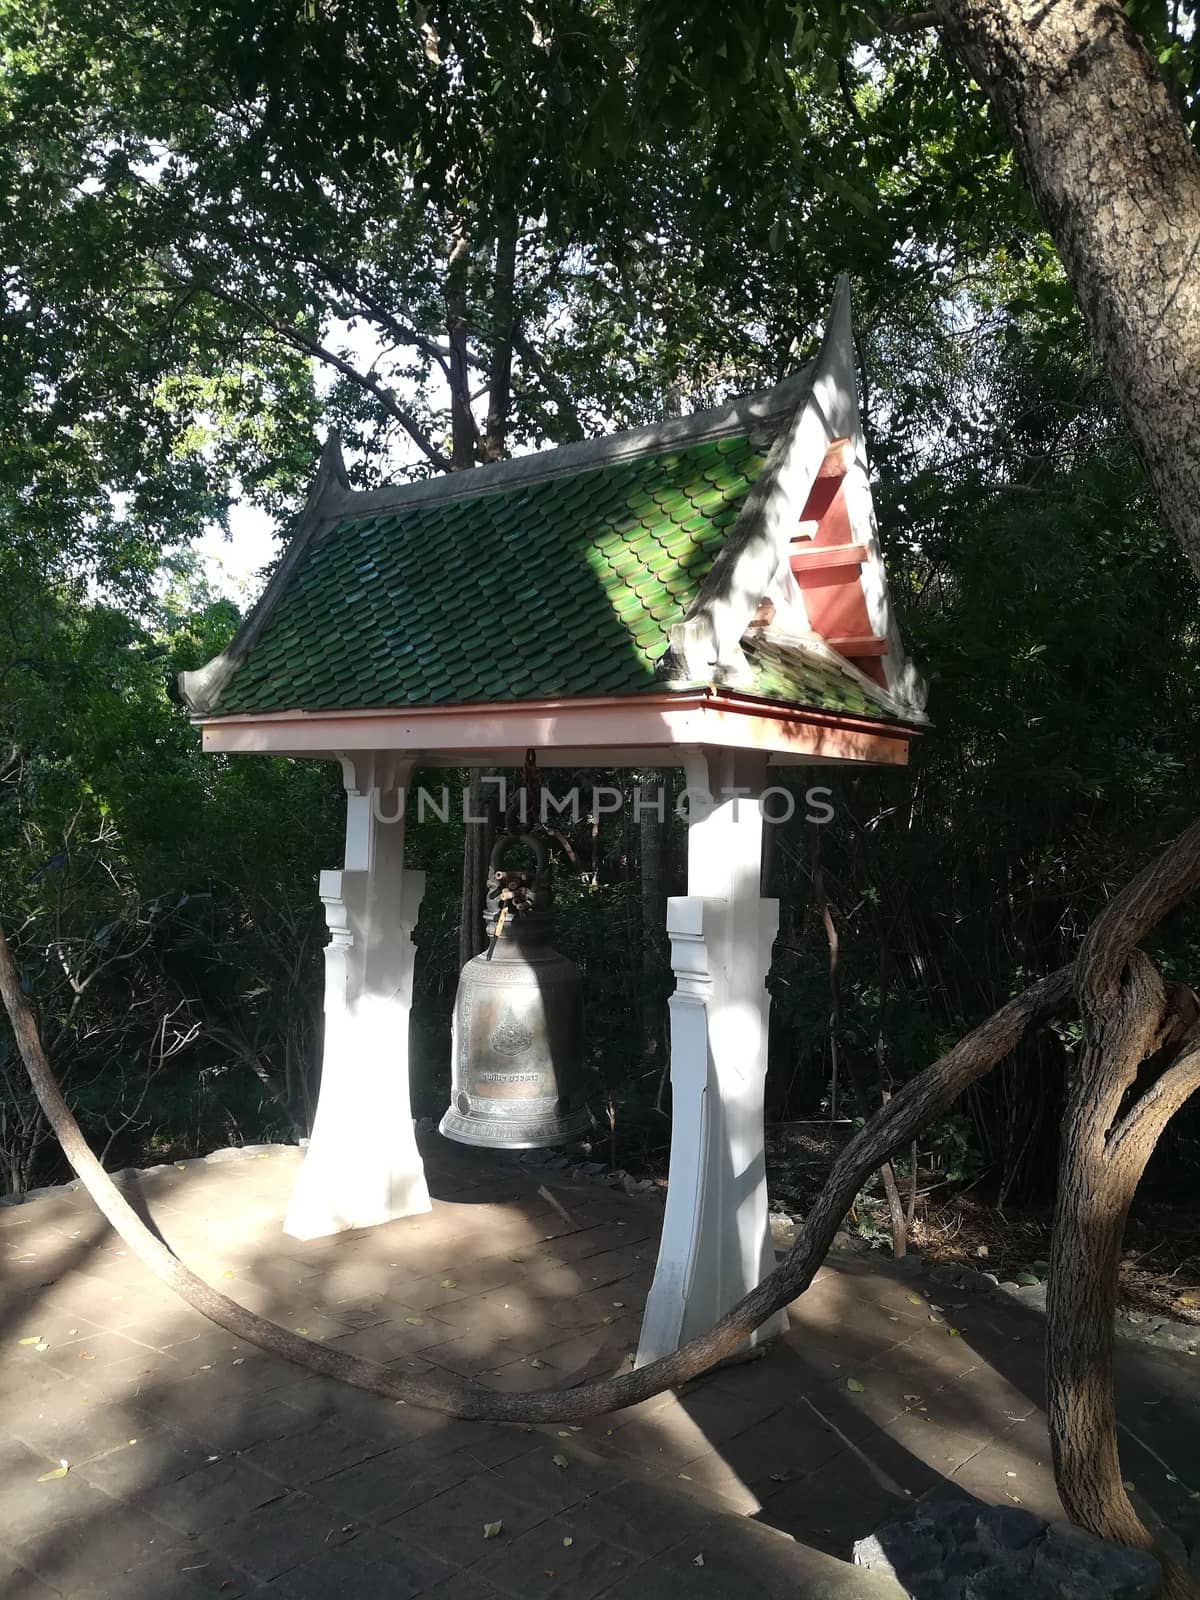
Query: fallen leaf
[568, 1542]
[1128, 1483]
[620, 1304]
[854, 1386]
[517, 1259]
[698, 1561]
[779, 1477]
[84, 1355]
[913, 1399]
[938, 1320]
[449, 1283]
[607, 1321]
[536, 1364]
[493, 1530]
[684, 1476]
[227, 1273]
[952, 1333]
[304, 1331]
[560, 1461]
[71, 1332]
[415, 1322]
[913, 1299]
[34, 1338]
[1010, 1474]
[60, 1471]
[564, 1433]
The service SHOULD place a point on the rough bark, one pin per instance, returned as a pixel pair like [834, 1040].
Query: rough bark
[1108, 160]
[1132, 1022]
[910, 1109]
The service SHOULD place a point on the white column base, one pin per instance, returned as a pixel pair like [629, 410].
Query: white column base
[716, 1241]
[362, 1166]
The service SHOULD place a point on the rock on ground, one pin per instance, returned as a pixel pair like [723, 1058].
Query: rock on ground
[962, 1550]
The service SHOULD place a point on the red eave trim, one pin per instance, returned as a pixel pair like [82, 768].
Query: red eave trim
[680, 700]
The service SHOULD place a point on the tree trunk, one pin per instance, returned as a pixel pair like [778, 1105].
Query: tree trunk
[1107, 157]
[1108, 160]
[1130, 1020]
[495, 433]
[462, 420]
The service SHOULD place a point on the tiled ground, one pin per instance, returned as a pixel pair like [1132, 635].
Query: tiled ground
[198, 1467]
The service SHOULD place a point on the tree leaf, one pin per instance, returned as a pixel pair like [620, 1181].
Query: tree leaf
[493, 1530]
[855, 1387]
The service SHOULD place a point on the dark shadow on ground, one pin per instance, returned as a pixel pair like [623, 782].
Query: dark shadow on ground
[200, 1466]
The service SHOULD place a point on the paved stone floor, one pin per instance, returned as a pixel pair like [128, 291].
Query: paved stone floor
[201, 1467]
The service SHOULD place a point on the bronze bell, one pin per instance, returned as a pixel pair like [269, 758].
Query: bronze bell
[517, 1043]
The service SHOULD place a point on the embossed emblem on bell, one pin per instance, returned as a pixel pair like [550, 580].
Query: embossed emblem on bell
[517, 1044]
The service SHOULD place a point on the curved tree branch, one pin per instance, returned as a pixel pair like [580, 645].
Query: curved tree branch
[1169, 880]
[310, 346]
[910, 1109]
[1143, 1124]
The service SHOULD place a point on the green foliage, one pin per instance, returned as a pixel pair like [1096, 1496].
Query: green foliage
[206, 211]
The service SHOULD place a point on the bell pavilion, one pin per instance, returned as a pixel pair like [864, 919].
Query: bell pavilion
[706, 593]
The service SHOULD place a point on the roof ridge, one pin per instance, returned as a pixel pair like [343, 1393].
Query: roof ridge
[743, 414]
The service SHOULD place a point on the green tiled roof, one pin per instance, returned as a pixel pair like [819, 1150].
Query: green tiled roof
[789, 673]
[558, 588]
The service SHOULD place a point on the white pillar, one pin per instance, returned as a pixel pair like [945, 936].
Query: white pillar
[716, 1241]
[362, 1164]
